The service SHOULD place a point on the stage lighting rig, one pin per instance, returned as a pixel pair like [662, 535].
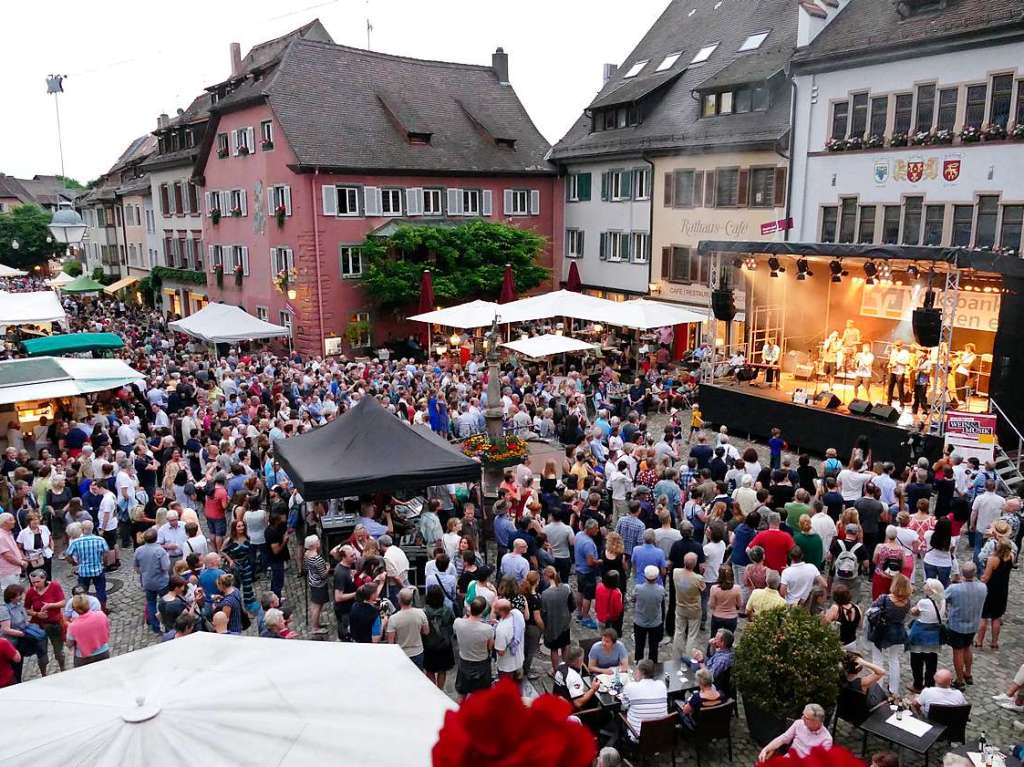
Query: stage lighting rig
[776, 266]
[835, 266]
[870, 272]
[803, 269]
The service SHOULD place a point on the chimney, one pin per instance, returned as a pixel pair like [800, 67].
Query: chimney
[162, 120]
[608, 72]
[236, 59]
[499, 63]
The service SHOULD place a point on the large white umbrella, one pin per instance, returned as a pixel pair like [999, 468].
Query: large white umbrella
[546, 345]
[216, 699]
[644, 314]
[7, 271]
[225, 323]
[474, 314]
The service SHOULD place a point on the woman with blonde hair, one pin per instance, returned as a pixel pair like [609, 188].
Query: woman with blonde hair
[887, 631]
[613, 557]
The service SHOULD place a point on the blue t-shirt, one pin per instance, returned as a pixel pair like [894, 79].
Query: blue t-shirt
[608, 659]
[584, 545]
[742, 537]
[208, 580]
[775, 445]
[646, 554]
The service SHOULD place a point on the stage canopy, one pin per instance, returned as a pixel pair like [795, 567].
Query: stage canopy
[7, 271]
[60, 280]
[71, 343]
[276, 703]
[226, 324]
[48, 377]
[83, 284]
[36, 308]
[475, 314]
[547, 345]
[367, 450]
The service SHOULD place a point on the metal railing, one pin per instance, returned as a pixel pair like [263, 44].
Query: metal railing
[1016, 456]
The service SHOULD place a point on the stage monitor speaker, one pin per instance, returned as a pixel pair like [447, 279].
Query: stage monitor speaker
[860, 407]
[803, 371]
[927, 324]
[826, 400]
[885, 413]
[723, 304]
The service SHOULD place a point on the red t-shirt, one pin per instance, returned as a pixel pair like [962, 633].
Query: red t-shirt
[52, 593]
[608, 603]
[776, 545]
[8, 653]
[215, 504]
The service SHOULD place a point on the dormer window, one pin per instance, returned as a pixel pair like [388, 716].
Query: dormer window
[753, 42]
[669, 61]
[637, 68]
[704, 54]
[745, 98]
[419, 137]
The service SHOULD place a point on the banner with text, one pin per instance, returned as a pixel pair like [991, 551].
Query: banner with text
[971, 434]
[974, 311]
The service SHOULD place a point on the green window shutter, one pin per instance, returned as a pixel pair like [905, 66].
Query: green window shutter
[583, 187]
[603, 251]
[627, 185]
[624, 247]
[604, 186]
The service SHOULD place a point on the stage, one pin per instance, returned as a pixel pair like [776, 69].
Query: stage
[755, 410]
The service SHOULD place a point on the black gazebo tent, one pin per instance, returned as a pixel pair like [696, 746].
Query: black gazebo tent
[368, 450]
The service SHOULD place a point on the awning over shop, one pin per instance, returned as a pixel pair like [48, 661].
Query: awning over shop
[35, 308]
[49, 377]
[121, 284]
[225, 324]
[71, 343]
[539, 347]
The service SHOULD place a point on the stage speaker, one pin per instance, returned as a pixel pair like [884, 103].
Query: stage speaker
[803, 371]
[826, 400]
[860, 407]
[723, 304]
[927, 323]
[885, 413]
[746, 373]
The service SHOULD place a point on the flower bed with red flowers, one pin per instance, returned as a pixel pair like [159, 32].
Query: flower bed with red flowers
[507, 451]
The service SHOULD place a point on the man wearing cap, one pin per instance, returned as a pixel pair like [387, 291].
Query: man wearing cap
[648, 608]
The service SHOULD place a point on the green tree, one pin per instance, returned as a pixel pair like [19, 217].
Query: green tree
[72, 268]
[28, 226]
[71, 183]
[466, 262]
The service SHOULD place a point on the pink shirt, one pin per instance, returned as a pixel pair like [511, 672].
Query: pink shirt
[801, 740]
[10, 555]
[91, 632]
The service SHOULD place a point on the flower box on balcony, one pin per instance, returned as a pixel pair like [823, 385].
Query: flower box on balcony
[899, 138]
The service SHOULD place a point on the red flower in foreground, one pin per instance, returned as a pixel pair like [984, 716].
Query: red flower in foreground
[494, 728]
[837, 756]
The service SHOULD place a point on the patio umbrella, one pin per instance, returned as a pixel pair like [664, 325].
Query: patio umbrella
[7, 271]
[574, 283]
[508, 286]
[426, 304]
[83, 284]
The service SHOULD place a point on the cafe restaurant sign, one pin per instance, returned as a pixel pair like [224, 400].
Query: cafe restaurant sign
[730, 228]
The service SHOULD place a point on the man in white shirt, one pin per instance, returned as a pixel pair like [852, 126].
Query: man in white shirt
[852, 481]
[799, 579]
[942, 694]
[107, 515]
[986, 509]
[961, 475]
[645, 698]
[620, 484]
[509, 639]
[886, 485]
[822, 524]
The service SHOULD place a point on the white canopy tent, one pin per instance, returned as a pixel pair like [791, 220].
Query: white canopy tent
[475, 314]
[61, 280]
[643, 314]
[226, 324]
[37, 378]
[293, 703]
[547, 345]
[37, 308]
[7, 271]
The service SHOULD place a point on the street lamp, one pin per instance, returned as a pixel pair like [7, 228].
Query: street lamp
[67, 226]
[15, 245]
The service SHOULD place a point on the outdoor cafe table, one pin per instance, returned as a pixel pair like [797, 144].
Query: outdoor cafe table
[877, 725]
[1010, 759]
[677, 686]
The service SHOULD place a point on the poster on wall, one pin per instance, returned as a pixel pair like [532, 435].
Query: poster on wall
[974, 311]
[971, 434]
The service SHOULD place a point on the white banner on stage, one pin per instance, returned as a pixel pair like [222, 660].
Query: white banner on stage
[974, 311]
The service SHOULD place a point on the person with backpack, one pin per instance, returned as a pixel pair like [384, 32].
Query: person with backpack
[438, 652]
[891, 558]
[849, 561]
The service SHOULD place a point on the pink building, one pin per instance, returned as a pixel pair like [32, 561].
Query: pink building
[306, 156]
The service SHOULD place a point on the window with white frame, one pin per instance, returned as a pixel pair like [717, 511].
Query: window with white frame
[216, 256]
[619, 184]
[636, 69]
[286, 320]
[282, 260]
[262, 313]
[243, 145]
[574, 243]
[391, 202]
[237, 257]
[197, 250]
[237, 204]
[704, 54]
[641, 183]
[361, 320]
[668, 61]
[616, 246]
[520, 202]
[432, 205]
[640, 248]
[267, 134]
[471, 202]
[753, 42]
[281, 197]
[351, 259]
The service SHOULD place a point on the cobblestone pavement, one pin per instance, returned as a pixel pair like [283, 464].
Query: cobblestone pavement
[993, 670]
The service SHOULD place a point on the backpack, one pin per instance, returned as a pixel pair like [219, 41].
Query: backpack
[847, 566]
[831, 467]
[437, 640]
[893, 563]
[877, 622]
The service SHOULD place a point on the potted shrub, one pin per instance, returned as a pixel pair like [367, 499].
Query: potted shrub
[238, 275]
[218, 273]
[898, 138]
[279, 213]
[236, 211]
[215, 216]
[785, 659]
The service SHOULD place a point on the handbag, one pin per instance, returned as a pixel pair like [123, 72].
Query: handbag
[32, 631]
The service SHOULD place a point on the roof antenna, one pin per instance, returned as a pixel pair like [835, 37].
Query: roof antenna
[369, 26]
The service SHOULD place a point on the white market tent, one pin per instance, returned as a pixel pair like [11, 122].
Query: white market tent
[475, 314]
[225, 324]
[643, 314]
[218, 699]
[36, 378]
[61, 280]
[35, 308]
[7, 271]
[547, 345]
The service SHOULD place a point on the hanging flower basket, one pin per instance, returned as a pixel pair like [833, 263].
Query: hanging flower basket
[238, 275]
[508, 451]
[283, 279]
[279, 213]
[243, 150]
[215, 216]
[218, 273]
[236, 212]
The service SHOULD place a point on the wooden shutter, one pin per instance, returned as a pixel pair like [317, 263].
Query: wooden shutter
[583, 187]
[245, 207]
[568, 185]
[288, 200]
[225, 202]
[486, 202]
[234, 142]
[270, 201]
[371, 200]
[604, 185]
[209, 203]
[534, 202]
[602, 251]
[623, 246]
[698, 189]
[251, 139]
[506, 203]
[580, 242]
[670, 186]
[780, 186]
[245, 260]
[666, 263]
[709, 188]
[330, 197]
[209, 250]
[414, 201]
[743, 183]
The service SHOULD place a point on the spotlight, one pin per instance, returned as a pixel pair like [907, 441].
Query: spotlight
[737, 263]
[750, 263]
[776, 267]
[885, 273]
[870, 272]
[913, 272]
[803, 269]
[835, 266]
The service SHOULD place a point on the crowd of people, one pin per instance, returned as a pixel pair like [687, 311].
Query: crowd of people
[672, 535]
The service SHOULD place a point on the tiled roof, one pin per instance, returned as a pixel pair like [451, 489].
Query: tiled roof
[745, 69]
[326, 98]
[671, 116]
[12, 187]
[635, 89]
[875, 25]
[134, 186]
[264, 53]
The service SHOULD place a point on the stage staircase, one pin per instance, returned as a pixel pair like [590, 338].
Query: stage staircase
[1009, 459]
